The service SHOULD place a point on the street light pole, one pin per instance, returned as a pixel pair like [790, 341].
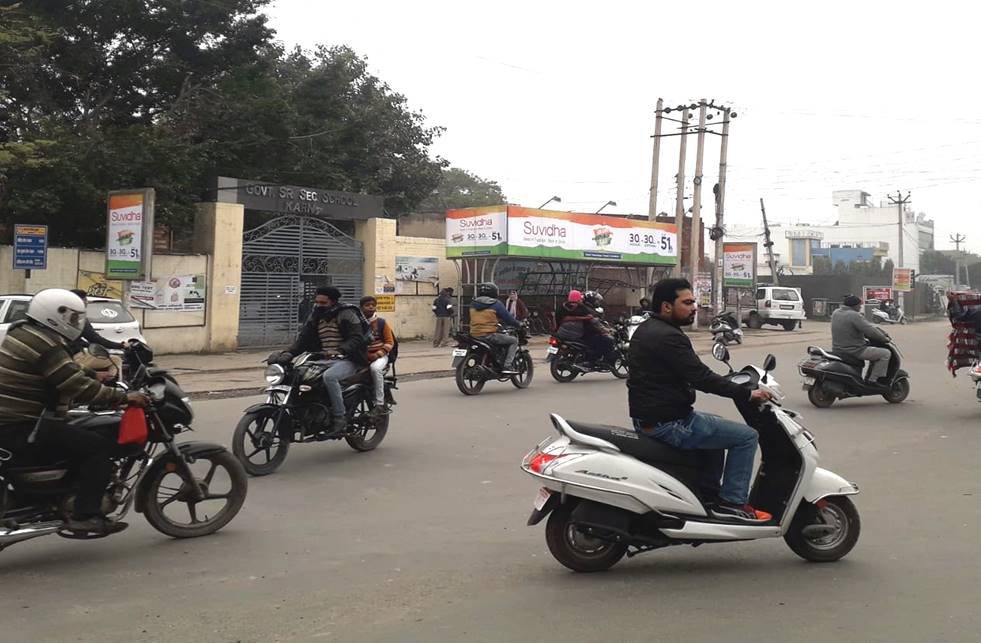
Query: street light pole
[613, 203]
[554, 198]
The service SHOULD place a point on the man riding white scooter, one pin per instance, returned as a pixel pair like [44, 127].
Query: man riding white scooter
[664, 374]
[849, 332]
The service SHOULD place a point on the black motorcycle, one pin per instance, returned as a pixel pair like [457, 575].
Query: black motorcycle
[297, 409]
[828, 377]
[725, 329]
[476, 362]
[570, 359]
[184, 490]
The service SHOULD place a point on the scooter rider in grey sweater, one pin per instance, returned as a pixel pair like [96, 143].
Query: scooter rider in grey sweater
[849, 334]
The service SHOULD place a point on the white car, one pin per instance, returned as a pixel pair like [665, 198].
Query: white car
[109, 317]
[777, 305]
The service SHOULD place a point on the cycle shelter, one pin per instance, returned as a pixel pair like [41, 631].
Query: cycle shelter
[543, 254]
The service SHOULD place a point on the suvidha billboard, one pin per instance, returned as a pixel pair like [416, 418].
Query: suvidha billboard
[526, 232]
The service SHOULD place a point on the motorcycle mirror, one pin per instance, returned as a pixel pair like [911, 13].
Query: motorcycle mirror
[599, 310]
[769, 363]
[720, 352]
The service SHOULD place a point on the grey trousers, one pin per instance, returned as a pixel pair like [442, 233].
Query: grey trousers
[879, 359]
[442, 333]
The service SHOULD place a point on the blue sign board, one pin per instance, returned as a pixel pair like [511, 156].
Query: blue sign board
[30, 247]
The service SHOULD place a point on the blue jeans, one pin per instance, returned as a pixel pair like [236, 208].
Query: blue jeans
[706, 431]
[337, 371]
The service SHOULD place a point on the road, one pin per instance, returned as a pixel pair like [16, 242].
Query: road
[425, 538]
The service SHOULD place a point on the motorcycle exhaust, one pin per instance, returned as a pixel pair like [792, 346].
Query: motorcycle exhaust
[11, 536]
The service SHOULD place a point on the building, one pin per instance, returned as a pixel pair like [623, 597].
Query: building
[862, 231]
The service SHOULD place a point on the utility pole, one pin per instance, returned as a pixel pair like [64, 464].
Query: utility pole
[769, 247]
[718, 302]
[900, 201]
[679, 204]
[694, 254]
[652, 203]
[958, 239]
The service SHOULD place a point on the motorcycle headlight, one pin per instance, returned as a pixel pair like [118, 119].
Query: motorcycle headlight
[275, 374]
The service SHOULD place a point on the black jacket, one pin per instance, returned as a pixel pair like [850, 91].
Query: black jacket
[354, 328]
[665, 372]
[443, 306]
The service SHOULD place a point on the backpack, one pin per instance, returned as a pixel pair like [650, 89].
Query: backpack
[394, 353]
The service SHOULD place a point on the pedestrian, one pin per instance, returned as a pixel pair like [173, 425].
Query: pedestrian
[517, 307]
[443, 310]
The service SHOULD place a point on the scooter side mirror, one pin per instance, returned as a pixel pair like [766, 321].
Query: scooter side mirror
[769, 363]
[720, 352]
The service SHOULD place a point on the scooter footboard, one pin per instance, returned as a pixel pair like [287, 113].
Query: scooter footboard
[826, 483]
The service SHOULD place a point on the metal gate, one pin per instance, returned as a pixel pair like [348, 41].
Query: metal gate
[283, 262]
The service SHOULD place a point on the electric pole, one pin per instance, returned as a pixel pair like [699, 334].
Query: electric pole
[720, 202]
[900, 201]
[769, 247]
[694, 254]
[679, 204]
[652, 203]
[958, 239]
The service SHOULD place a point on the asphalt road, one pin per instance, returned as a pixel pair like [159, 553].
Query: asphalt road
[424, 539]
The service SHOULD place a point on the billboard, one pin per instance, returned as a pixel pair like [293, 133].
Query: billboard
[739, 265]
[514, 231]
[902, 279]
[128, 237]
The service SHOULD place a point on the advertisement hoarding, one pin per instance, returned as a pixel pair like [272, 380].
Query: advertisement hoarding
[738, 265]
[514, 231]
[129, 240]
[902, 279]
[877, 293]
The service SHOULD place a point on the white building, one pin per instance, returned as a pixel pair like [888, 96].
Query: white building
[862, 231]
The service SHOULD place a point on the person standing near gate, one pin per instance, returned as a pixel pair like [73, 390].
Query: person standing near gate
[443, 310]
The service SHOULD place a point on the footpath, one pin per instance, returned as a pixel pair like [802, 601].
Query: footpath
[240, 373]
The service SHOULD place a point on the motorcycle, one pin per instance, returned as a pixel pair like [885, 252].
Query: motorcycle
[894, 315]
[725, 328]
[828, 377]
[153, 478]
[570, 359]
[976, 378]
[297, 410]
[476, 362]
[608, 491]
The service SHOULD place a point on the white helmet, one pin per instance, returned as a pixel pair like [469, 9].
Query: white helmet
[60, 310]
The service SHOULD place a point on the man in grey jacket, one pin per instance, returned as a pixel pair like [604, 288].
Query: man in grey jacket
[849, 331]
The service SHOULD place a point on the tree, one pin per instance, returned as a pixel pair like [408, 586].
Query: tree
[936, 263]
[97, 95]
[461, 189]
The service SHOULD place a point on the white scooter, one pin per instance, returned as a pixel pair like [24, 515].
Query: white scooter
[897, 316]
[609, 491]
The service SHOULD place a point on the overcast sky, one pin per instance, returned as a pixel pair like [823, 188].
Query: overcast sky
[557, 98]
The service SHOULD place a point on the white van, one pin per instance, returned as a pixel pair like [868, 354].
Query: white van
[777, 305]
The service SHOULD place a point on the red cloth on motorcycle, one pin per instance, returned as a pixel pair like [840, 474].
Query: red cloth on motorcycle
[962, 344]
[132, 428]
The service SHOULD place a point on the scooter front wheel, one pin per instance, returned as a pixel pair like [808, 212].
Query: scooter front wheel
[577, 550]
[820, 397]
[898, 392]
[826, 531]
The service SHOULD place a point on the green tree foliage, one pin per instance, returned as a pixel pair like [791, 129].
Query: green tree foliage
[104, 94]
[461, 189]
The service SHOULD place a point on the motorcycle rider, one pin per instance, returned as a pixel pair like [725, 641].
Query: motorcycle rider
[486, 312]
[91, 336]
[665, 372]
[37, 376]
[849, 332]
[578, 320]
[342, 334]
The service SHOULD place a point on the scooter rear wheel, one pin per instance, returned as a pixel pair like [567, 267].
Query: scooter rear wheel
[820, 397]
[579, 551]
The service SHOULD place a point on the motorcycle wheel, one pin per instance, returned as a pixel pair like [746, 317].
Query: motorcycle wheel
[526, 370]
[562, 371]
[838, 512]
[620, 369]
[367, 426]
[164, 483]
[576, 550]
[257, 444]
[898, 392]
[819, 397]
[467, 378]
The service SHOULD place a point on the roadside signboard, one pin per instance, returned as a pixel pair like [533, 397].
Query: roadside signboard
[129, 236]
[477, 232]
[30, 247]
[386, 303]
[902, 279]
[738, 265]
[879, 293]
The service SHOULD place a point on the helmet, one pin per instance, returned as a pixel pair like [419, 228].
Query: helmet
[574, 297]
[60, 310]
[487, 290]
[592, 299]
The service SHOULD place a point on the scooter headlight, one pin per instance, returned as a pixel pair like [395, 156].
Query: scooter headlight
[275, 374]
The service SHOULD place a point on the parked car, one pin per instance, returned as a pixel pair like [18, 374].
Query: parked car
[108, 316]
[777, 305]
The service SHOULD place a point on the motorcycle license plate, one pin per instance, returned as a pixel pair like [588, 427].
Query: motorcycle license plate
[459, 352]
[808, 381]
[552, 350]
[542, 497]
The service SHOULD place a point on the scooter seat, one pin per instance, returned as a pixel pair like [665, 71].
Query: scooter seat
[643, 448]
[847, 359]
